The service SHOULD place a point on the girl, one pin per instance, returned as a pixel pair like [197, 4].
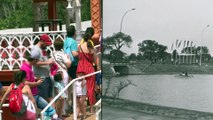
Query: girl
[58, 87]
[80, 86]
[19, 79]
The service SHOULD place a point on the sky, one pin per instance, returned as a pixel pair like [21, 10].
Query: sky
[164, 21]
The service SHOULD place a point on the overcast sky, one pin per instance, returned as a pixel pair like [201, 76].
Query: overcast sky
[161, 20]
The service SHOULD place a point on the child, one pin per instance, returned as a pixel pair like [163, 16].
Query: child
[19, 79]
[80, 87]
[58, 87]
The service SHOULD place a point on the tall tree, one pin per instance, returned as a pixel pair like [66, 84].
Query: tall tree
[117, 41]
[151, 50]
[132, 56]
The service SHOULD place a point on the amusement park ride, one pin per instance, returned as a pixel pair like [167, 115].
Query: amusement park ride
[95, 5]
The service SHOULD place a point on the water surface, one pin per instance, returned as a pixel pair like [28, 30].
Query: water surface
[194, 93]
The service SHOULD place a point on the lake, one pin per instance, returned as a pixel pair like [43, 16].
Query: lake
[193, 93]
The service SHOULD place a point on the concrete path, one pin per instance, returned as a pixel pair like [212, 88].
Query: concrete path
[89, 117]
[110, 113]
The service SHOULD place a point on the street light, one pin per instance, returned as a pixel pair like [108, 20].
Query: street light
[124, 16]
[202, 44]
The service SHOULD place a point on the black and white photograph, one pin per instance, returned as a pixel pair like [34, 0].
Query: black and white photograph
[157, 60]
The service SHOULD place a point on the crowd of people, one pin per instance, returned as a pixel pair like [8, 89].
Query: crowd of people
[44, 75]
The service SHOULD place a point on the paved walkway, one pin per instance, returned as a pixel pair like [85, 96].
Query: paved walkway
[110, 113]
[89, 117]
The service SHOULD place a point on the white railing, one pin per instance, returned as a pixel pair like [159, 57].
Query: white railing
[98, 109]
[74, 96]
[13, 47]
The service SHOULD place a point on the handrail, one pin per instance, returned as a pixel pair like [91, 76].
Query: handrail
[1, 111]
[97, 46]
[98, 109]
[97, 114]
[66, 87]
[99, 102]
[5, 105]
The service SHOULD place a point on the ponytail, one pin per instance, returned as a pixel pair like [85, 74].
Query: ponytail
[90, 44]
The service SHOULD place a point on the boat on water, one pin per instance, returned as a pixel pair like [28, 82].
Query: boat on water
[184, 75]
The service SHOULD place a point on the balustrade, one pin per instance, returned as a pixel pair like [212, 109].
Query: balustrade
[14, 47]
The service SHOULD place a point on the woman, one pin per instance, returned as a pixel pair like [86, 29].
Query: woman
[19, 79]
[87, 56]
[63, 62]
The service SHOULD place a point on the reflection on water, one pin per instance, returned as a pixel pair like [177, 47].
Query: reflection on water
[195, 93]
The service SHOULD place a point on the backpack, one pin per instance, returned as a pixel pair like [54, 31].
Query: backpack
[16, 102]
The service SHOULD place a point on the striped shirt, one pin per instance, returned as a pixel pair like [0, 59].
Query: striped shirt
[60, 59]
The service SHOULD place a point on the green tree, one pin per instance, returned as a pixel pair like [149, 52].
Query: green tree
[15, 14]
[19, 13]
[152, 51]
[85, 10]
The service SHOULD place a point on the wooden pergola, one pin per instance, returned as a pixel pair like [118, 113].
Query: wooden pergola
[52, 16]
[95, 12]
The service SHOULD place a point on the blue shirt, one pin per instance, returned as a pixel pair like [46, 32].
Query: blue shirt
[60, 87]
[0, 85]
[70, 45]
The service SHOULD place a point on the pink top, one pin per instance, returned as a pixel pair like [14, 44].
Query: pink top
[29, 76]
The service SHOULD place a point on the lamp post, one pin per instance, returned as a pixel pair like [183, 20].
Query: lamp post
[124, 16]
[69, 12]
[201, 48]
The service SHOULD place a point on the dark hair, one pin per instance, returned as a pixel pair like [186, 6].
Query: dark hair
[90, 44]
[58, 77]
[58, 44]
[19, 77]
[87, 37]
[70, 31]
[90, 30]
[28, 57]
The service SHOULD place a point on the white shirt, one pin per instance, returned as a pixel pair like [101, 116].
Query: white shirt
[79, 89]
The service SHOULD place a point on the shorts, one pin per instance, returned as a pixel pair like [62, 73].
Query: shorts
[72, 71]
[45, 89]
